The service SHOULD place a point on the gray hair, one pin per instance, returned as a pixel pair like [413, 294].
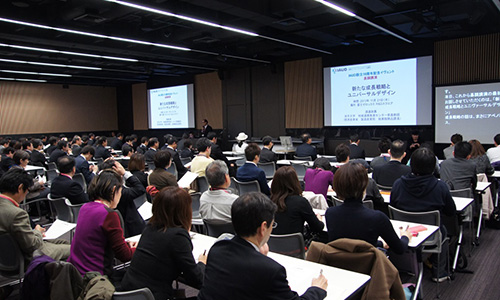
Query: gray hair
[216, 173]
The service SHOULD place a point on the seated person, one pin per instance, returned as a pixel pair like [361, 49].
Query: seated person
[153, 145]
[52, 145]
[165, 250]
[99, 222]
[383, 145]
[293, 209]
[448, 151]
[171, 142]
[137, 166]
[64, 185]
[420, 191]
[240, 146]
[246, 253]
[82, 163]
[386, 174]
[356, 150]
[216, 151]
[305, 149]
[249, 171]
[76, 145]
[479, 157]
[117, 141]
[101, 151]
[38, 190]
[61, 150]
[134, 223]
[353, 220]
[143, 147]
[187, 151]
[459, 172]
[6, 162]
[37, 155]
[14, 186]
[215, 204]
[267, 154]
[203, 159]
[160, 177]
[494, 152]
[127, 152]
[320, 177]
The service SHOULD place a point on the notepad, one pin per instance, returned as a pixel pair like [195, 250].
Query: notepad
[416, 229]
[145, 210]
[57, 229]
[187, 179]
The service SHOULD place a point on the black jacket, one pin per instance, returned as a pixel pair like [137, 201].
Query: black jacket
[62, 186]
[134, 223]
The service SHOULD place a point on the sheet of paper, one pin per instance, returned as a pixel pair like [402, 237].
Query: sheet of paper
[57, 229]
[146, 210]
[187, 179]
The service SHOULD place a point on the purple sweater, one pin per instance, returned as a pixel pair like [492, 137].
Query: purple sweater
[317, 181]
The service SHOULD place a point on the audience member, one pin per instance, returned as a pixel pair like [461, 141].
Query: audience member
[383, 146]
[267, 154]
[76, 145]
[61, 150]
[165, 250]
[82, 163]
[388, 173]
[101, 151]
[180, 143]
[356, 150]
[187, 151]
[99, 222]
[216, 151]
[459, 172]
[6, 162]
[240, 146]
[127, 152]
[448, 151]
[479, 157]
[160, 177]
[37, 156]
[117, 141]
[249, 171]
[413, 144]
[64, 185]
[252, 216]
[154, 145]
[52, 145]
[305, 149]
[137, 166]
[143, 147]
[91, 140]
[38, 190]
[203, 159]
[215, 204]
[171, 142]
[319, 178]
[494, 152]
[293, 209]
[28, 147]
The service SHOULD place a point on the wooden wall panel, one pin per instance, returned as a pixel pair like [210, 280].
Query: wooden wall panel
[208, 100]
[140, 106]
[304, 93]
[471, 59]
[32, 108]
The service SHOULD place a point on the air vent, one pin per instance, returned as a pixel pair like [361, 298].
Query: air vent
[351, 42]
[206, 40]
[290, 21]
[89, 18]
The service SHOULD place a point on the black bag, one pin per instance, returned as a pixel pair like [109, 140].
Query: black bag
[494, 221]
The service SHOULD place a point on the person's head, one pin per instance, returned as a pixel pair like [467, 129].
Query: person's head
[350, 181]
[76, 140]
[267, 141]
[241, 137]
[384, 145]
[217, 174]
[106, 186]
[52, 140]
[342, 153]
[128, 139]
[137, 162]
[188, 144]
[212, 136]
[28, 145]
[63, 145]
[153, 143]
[204, 122]
[462, 150]
[119, 136]
[203, 145]
[354, 138]
[252, 215]
[66, 165]
[185, 135]
[107, 164]
[102, 141]
[85, 139]
[15, 183]
[398, 149]
[162, 159]
[285, 183]
[134, 137]
[127, 150]
[171, 140]
[322, 163]
[306, 138]
[496, 139]
[21, 158]
[456, 138]
[172, 209]
[415, 135]
[37, 144]
[477, 149]
[422, 162]
[144, 140]
[8, 151]
[88, 152]
[91, 136]
[252, 152]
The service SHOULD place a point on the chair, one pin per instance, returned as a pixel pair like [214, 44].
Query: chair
[247, 187]
[52, 166]
[366, 203]
[140, 294]
[202, 184]
[52, 174]
[74, 208]
[78, 177]
[217, 227]
[240, 162]
[288, 244]
[304, 158]
[234, 186]
[63, 212]
[269, 168]
[300, 169]
[172, 169]
[185, 160]
[11, 258]
[384, 188]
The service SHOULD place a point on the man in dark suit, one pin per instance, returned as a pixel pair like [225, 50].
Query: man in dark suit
[100, 150]
[356, 150]
[171, 142]
[28, 147]
[459, 172]
[267, 155]
[37, 156]
[91, 141]
[153, 144]
[205, 129]
[52, 145]
[143, 147]
[64, 185]
[216, 151]
[76, 145]
[388, 173]
[249, 171]
[306, 149]
[117, 142]
[253, 218]
[61, 150]
[7, 160]
[82, 165]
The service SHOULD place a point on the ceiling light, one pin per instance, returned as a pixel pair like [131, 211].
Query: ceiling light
[48, 64]
[20, 79]
[337, 8]
[35, 73]
[497, 3]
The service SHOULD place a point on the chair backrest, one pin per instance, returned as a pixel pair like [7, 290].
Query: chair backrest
[99, 160]
[432, 217]
[240, 162]
[172, 169]
[269, 168]
[140, 294]
[195, 204]
[63, 212]
[202, 184]
[288, 244]
[247, 187]
[300, 169]
[234, 186]
[52, 174]
[11, 257]
[78, 177]
[74, 208]
[366, 203]
[140, 200]
[185, 160]
[217, 227]
[304, 158]
[51, 166]
[384, 187]
[466, 193]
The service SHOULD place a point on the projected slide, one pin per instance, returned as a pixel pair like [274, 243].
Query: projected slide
[394, 92]
[171, 107]
[472, 110]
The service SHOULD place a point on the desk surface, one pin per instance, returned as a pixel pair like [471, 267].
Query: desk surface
[496, 174]
[233, 158]
[481, 186]
[33, 168]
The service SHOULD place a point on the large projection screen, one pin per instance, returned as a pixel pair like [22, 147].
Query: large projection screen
[171, 107]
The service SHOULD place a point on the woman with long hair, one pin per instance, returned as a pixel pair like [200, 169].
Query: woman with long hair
[479, 157]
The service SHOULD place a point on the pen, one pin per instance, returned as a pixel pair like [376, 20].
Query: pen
[205, 252]
[321, 272]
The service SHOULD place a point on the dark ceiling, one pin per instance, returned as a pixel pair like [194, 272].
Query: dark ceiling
[287, 30]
